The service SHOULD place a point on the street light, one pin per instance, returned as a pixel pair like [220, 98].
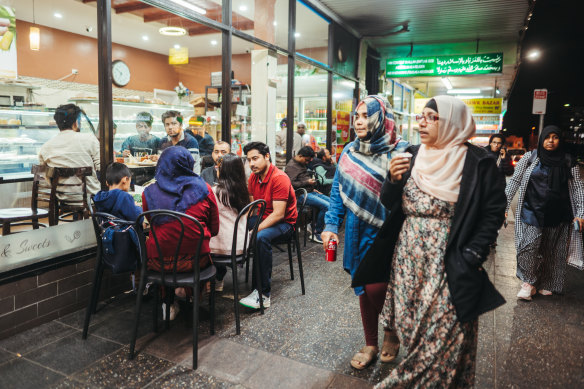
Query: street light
[533, 55]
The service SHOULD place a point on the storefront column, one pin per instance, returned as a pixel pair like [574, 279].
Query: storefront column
[291, 70]
[226, 75]
[104, 66]
[263, 97]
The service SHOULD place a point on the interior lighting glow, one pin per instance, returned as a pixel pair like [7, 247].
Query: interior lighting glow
[214, 42]
[172, 31]
[243, 7]
[447, 83]
[145, 37]
[566, 105]
[189, 6]
[275, 23]
[297, 34]
[469, 91]
[34, 38]
[58, 15]
[177, 46]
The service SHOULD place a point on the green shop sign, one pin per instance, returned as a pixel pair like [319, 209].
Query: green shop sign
[445, 65]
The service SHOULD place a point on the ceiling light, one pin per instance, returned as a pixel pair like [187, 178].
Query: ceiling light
[243, 7]
[447, 83]
[566, 105]
[177, 46]
[58, 15]
[297, 34]
[172, 31]
[463, 91]
[145, 37]
[34, 38]
[275, 23]
[498, 91]
[190, 6]
[214, 42]
[467, 97]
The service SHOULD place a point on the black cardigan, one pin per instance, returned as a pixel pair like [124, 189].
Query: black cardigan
[478, 214]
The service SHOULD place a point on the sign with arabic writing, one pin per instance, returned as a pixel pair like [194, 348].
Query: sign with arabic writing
[25, 248]
[445, 65]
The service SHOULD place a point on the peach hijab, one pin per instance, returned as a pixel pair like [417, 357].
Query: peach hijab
[438, 168]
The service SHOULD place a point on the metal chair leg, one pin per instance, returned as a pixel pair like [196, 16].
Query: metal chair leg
[94, 295]
[299, 262]
[137, 316]
[290, 259]
[196, 296]
[212, 307]
[235, 297]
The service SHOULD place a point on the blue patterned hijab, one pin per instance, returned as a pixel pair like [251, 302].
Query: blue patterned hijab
[177, 187]
[364, 165]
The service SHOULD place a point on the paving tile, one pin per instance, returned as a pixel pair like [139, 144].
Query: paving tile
[36, 337]
[119, 327]
[280, 372]
[116, 370]
[106, 311]
[342, 381]
[22, 374]
[70, 383]
[6, 356]
[182, 377]
[72, 353]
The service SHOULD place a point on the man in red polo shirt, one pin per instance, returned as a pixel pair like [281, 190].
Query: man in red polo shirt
[268, 183]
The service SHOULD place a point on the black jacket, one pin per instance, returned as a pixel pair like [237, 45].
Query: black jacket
[478, 214]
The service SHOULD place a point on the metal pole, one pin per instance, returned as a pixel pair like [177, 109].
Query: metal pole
[291, 67]
[540, 124]
[104, 66]
[226, 75]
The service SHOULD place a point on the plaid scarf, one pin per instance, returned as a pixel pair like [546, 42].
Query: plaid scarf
[364, 165]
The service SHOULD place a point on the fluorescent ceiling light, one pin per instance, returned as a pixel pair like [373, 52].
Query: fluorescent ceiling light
[58, 15]
[463, 91]
[177, 46]
[214, 42]
[172, 31]
[243, 7]
[297, 34]
[190, 6]
[275, 23]
[447, 83]
[145, 37]
[464, 97]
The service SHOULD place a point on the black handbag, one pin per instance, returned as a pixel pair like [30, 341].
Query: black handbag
[120, 248]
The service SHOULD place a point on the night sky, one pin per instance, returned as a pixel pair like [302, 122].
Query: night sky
[557, 30]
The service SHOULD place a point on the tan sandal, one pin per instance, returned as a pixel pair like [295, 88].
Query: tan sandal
[365, 357]
[389, 348]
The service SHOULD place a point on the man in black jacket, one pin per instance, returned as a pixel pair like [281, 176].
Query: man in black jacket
[325, 168]
[496, 150]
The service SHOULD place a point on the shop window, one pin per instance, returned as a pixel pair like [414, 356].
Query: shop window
[312, 32]
[265, 19]
[343, 106]
[310, 101]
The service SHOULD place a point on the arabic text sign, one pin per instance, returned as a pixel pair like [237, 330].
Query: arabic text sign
[539, 101]
[445, 65]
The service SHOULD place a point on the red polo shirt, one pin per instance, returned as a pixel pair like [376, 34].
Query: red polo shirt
[276, 186]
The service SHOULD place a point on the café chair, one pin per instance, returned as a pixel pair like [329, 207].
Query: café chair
[10, 217]
[101, 222]
[68, 199]
[171, 279]
[257, 208]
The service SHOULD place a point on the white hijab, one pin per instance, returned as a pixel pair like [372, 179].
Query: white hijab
[438, 168]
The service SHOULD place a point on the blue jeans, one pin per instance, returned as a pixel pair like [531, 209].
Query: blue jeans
[264, 255]
[322, 203]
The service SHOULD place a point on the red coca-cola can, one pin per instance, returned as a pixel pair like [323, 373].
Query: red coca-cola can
[331, 251]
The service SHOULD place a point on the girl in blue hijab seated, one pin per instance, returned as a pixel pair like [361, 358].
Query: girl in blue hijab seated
[178, 188]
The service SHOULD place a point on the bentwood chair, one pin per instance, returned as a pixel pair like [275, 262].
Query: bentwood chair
[101, 222]
[10, 217]
[68, 197]
[257, 208]
[289, 240]
[170, 279]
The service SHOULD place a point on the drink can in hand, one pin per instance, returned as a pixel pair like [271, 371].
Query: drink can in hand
[331, 251]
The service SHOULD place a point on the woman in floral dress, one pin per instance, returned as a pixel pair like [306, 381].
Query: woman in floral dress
[452, 204]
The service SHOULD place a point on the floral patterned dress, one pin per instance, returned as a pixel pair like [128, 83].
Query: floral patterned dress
[441, 351]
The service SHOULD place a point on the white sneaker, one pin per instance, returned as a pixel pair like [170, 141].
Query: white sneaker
[526, 292]
[253, 300]
[219, 286]
[174, 310]
[316, 238]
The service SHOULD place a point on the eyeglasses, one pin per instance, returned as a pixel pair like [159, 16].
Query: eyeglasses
[430, 118]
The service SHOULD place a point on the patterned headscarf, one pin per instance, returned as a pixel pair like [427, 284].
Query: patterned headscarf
[365, 163]
[177, 187]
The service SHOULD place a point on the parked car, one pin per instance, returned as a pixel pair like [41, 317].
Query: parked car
[516, 155]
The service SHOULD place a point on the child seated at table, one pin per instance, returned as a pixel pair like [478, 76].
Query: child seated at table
[117, 201]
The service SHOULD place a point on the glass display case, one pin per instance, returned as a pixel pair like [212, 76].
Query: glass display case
[125, 112]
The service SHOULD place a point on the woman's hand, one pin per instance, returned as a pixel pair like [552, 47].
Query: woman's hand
[580, 221]
[397, 167]
[154, 157]
[326, 236]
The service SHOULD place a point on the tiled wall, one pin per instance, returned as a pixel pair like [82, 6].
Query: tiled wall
[31, 301]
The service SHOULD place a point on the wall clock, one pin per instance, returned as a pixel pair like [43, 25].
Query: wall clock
[120, 73]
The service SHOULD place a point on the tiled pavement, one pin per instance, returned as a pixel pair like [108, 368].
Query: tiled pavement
[301, 341]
